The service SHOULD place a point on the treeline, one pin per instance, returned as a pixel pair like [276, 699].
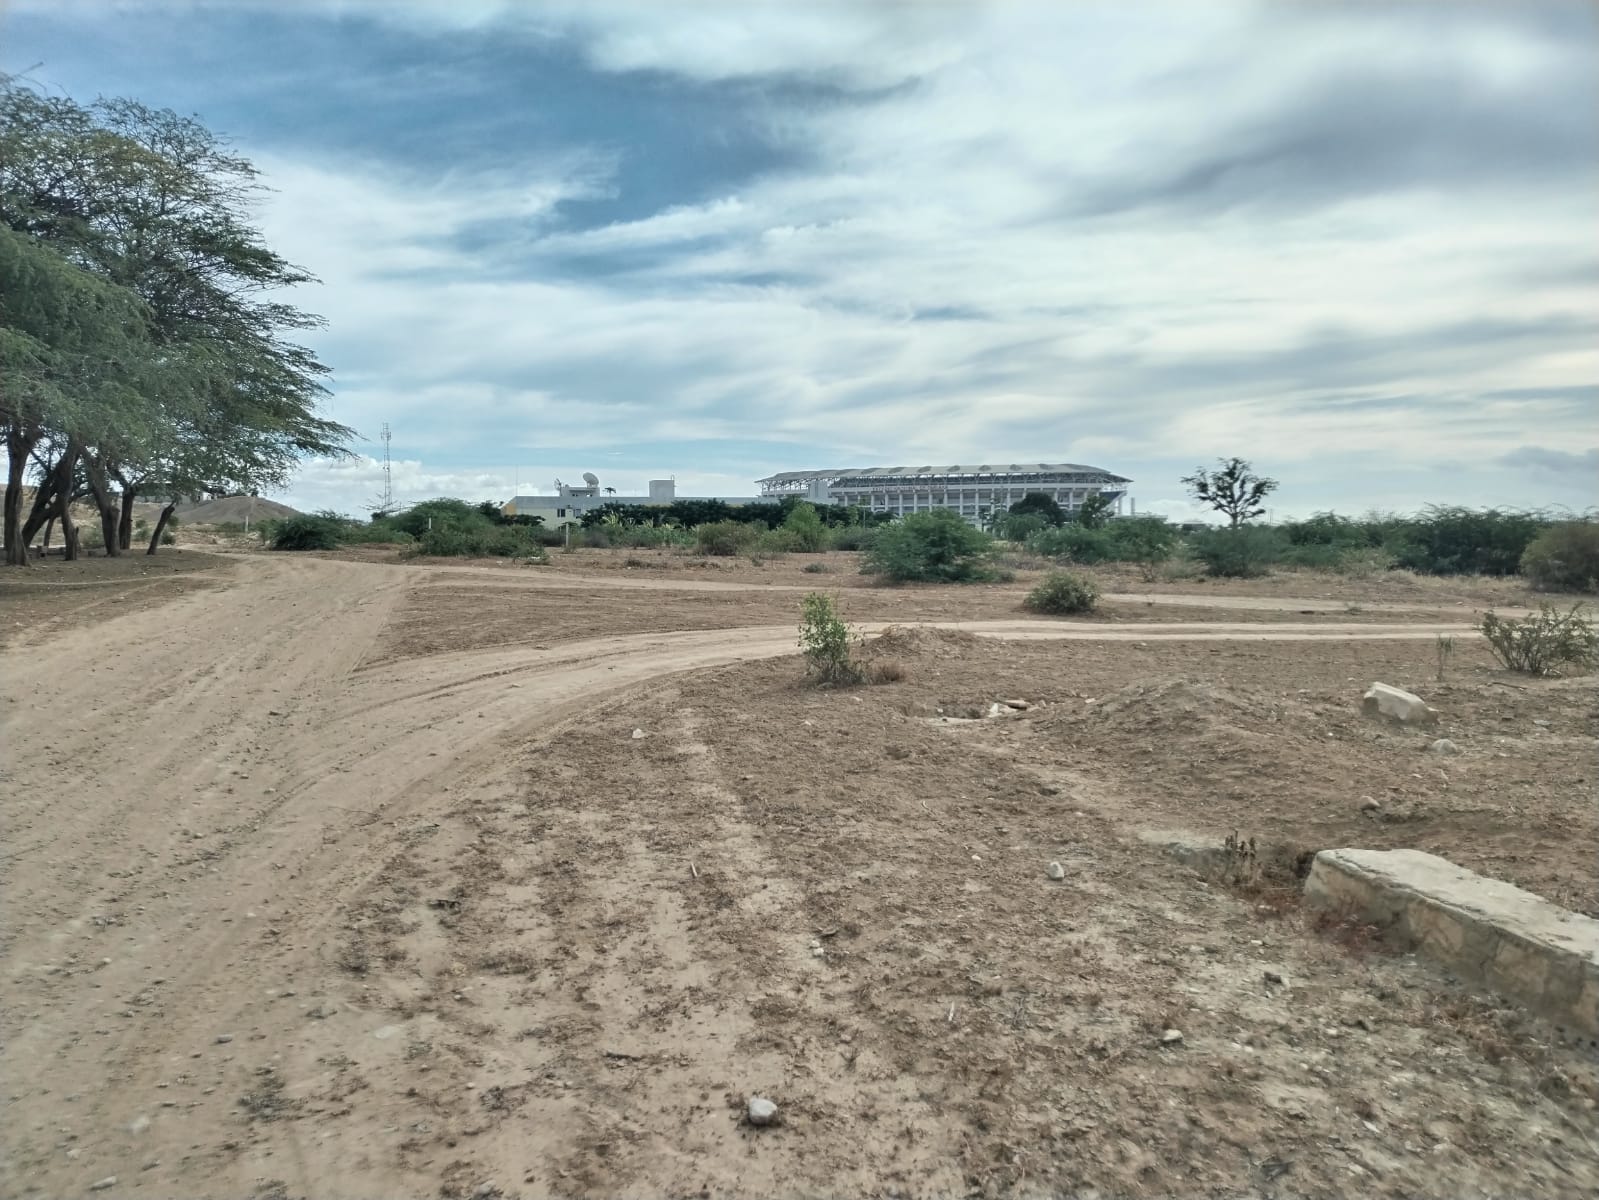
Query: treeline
[143, 351]
[690, 514]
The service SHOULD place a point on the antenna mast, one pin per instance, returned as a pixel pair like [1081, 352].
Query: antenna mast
[388, 474]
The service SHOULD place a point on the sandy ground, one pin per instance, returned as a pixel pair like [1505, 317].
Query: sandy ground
[304, 900]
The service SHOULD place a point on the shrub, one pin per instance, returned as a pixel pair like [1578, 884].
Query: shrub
[818, 568]
[886, 670]
[1147, 541]
[726, 538]
[305, 533]
[827, 643]
[169, 538]
[1240, 552]
[936, 546]
[1040, 505]
[1564, 557]
[804, 529]
[1467, 541]
[1543, 643]
[480, 541]
[776, 542]
[855, 537]
[1073, 543]
[1018, 527]
[1063, 592]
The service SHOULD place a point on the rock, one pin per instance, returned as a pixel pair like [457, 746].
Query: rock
[1020, 705]
[1273, 977]
[818, 952]
[1368, 804]
[639, 733]
[100, 1185]
[139, 1124]
[1171, 1037]
[1540, 723]
[762, 1111]
[1056, 871]
[1398, 705]
[224, 1038]
[997, 709]
[1444, 746]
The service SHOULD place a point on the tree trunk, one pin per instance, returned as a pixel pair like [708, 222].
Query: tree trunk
[160, 525]
[56, 482]
[125, 525]
[69, 531]
[100, 489]
[49, 528]
[19, 444]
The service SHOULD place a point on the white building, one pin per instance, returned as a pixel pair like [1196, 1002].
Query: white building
[571, 501]
[972, 491]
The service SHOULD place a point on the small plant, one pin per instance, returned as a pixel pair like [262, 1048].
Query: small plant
[169, 539]
[1547, 642]
[817, 568]
[1446, 651]
[1063, 592]
[827, 643]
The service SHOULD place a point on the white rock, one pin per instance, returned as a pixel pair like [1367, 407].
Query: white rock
[639, 733]
[997, 709]
[1369, 804]
[100, 1185]
[1398, 705]
[1056, 871]
[1020, 705]
[1444, 746]
[1171, 1037]
[139, 1124]
[762, 1111]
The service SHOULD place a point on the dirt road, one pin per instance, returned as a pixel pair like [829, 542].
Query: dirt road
[198, 797]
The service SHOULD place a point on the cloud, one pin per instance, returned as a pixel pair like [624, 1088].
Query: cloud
[1583, 464]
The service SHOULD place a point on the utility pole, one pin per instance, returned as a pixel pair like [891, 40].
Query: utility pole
[388, 473]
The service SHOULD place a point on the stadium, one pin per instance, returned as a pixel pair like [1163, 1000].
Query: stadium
[972, 491]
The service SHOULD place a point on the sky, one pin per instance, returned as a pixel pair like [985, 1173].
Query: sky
[1356, 244]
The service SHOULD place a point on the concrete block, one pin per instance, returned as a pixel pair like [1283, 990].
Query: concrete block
[1482, 929]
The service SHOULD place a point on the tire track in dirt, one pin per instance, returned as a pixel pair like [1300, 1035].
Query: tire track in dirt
[203, 793]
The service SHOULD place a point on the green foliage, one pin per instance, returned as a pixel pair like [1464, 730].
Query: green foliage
[483, 540]
[1147, 541]
[1039, 505]
[1062, 592]
[1547, 642]
[1232, 489]
[726, 538]
[827, 643]
[936, 546]
[1450, 540]
[317, 532]
[805, 530]
[775, 542]
[169, 539]
[817, 568]
[1564, 557]
[1093, 512]
[438, 513]
[855, 537]
[1073, 543]
[1241, 552]
[1018, 527]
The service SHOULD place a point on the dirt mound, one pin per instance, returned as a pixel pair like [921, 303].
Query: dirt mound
[1178, 705]
[910, 641]
[235, 510]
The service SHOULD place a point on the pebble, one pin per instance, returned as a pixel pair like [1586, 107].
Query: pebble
[762, 1111]
[1171, 1037]
[1444, 746]
[1056, 871]
[1273, 977]
[818, 952]
[639, 733]
[139, 1124]
[1540, 723]
[100, 1185]
[224, 1038]
[1368, 804]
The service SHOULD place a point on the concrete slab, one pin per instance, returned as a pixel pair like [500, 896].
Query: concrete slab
[1484, 930]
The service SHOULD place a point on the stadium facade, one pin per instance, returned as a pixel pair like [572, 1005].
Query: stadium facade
[972, 491]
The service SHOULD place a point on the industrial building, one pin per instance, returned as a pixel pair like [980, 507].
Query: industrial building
[571, 501]
[972, 491]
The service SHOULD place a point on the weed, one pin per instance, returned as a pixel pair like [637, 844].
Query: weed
[1446, 651]
[1547, 642]
[818, 568]
[888, 670]
[827, 643]
[1063, 592]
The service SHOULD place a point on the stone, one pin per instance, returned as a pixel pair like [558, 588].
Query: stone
[1056, 871]
[1444, 746]
[1369, 804]
[1485, 930]
[1540, 723]
[1020, 705]
[997, 709]
[639, 733]
[762, 1111]
[1171, 1037]
[224, 1038]
[100, 1185]
[1382, 700]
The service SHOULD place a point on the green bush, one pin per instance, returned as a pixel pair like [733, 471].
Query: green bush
[438, 513]
[1019, 526]
[1147, 541]
[778, 541]
[817, 568]
[826, 642]
[936, 546]
[480, 541]
[1547, 642]
[805, 529]
[1073, 543]
[855, 537]
[1466, 541]
[169, 538]
[1564, 557]
[305, 533]
[1063, 592]
[726, 538]
[1240, 552]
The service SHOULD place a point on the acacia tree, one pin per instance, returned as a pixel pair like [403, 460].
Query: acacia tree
[1039, 504]
[216, 397]
[1233, 489]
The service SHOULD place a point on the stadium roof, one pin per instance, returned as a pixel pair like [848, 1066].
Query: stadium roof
[957, 469]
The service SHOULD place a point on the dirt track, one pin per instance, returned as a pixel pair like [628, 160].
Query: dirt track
[200, 795]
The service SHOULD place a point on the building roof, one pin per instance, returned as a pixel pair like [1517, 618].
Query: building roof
[957, 469]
